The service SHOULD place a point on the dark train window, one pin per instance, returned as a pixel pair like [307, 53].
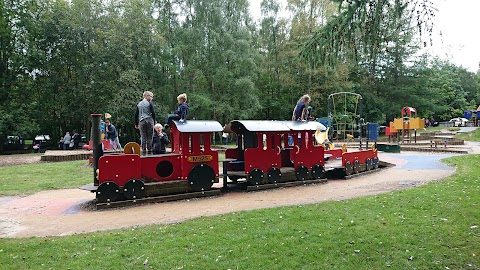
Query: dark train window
[164, 168]
[250, 140]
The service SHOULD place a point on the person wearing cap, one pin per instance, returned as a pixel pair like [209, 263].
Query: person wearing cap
[144, 121]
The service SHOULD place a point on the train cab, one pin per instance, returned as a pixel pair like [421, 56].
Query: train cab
[191, 141]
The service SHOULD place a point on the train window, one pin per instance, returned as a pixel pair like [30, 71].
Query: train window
[190, 148]
[250, 140]
[264, 141]
[164, 168]
[202, 144]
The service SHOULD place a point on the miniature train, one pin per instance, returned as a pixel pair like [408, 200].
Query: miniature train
[267, 152]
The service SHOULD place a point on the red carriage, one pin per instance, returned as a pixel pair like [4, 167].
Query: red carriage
[270, 152]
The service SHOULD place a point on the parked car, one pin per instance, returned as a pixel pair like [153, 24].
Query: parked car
[459, 122]
[42, 142]
[13, 142]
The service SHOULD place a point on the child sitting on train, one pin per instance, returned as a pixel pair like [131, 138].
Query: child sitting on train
[181, 112]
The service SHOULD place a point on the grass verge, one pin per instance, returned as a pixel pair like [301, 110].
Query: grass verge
[435, 226]
[470, 136]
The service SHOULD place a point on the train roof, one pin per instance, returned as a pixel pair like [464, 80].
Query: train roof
[258, 125]
[308, 125]
[195, 126]
[276, 126]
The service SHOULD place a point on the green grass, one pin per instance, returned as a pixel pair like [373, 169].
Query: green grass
[436, 226]
[430, 129]
[470, 136]
[31, 178]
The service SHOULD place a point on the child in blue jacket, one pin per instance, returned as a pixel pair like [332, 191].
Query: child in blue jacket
[181, 112]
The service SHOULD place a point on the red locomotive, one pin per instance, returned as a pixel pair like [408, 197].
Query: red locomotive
[267, 152]
[191, 167]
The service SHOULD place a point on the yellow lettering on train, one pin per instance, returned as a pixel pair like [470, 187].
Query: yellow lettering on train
[202, 158]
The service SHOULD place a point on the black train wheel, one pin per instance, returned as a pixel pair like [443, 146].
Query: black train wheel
[134, 189]
[107, 192]
[369, 164]
[375, 163]
[301, 173]
[274, 175]
[318, 172]
[356, 166]
[201, 177]
[255, 177]
[348, 168]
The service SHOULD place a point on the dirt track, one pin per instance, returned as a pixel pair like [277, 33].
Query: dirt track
[63, 212]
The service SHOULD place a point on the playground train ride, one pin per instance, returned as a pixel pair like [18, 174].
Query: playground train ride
[268, 153]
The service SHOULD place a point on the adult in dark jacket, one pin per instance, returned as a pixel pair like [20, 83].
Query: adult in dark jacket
[160, 140]
[76, 139]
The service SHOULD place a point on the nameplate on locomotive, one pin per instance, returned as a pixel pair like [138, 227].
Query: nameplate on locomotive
[202, 158]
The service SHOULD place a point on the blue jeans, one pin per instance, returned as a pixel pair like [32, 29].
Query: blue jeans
[115, 142]
[290, 140]
[171, 117]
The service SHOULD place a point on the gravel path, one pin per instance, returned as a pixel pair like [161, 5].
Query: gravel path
[7, 160]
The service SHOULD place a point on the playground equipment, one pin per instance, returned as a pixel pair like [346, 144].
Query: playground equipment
[347, 118]
[345, 114]
[403, 127]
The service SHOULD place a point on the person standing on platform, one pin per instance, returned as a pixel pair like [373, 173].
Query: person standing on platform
[144, 121]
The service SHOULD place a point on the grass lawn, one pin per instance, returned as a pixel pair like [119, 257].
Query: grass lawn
[436, 226]
[31, 178]
[470, 136]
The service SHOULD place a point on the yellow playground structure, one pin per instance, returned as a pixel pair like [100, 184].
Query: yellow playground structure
[403, 127]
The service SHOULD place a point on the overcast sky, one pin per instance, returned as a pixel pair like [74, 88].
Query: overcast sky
[459, 23]
[459, 20]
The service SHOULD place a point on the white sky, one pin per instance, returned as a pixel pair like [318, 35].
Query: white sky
[457, 20]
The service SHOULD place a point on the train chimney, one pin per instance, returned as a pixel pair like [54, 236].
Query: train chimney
[97, 145]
